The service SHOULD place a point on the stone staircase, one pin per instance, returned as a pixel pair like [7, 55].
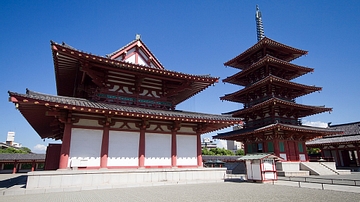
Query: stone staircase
[322, 168]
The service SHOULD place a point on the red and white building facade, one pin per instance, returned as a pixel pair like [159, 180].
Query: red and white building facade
[118, 111]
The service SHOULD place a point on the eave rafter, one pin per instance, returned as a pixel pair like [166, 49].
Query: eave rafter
[283, 86]
[172, 90]
[55, 109]
[303, 110]
[97, 77]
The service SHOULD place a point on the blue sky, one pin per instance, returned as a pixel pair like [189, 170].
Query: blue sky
[194, 37]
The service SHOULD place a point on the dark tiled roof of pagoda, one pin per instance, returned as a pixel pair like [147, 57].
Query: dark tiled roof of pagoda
[21, 157]
[313, 131]
[304, 110]
[240, 96]
[129, 44]
[67, 61]
[237, 62]
[351, 134]
[239, 78]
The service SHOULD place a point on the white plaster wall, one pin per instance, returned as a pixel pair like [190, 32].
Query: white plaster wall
[123, 148]
[157, 149]
[283, 155]
[255, 169]
[186, 150]
[85, 144]
[141, 61]
[302, 157]
[131, 59]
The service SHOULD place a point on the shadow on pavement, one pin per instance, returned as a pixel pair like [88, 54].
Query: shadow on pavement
[18, 180]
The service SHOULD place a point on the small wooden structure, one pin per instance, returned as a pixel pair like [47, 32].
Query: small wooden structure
[260, 167]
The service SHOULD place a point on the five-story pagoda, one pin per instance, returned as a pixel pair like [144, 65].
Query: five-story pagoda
[271, 115]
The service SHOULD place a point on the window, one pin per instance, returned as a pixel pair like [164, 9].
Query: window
[300, 145]
[270, 147]
[281, 147]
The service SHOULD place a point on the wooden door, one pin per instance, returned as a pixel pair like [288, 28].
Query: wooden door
[291, 151]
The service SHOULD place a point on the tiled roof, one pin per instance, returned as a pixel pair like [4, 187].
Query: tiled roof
[272, 101]
[281, 126]
[259, 156]
[351, 134]
[269, 43]
[79, 103]
[303, 89]
[67, 60]
[268, 59]
[334, 140]
[11, 157]
[127, 45]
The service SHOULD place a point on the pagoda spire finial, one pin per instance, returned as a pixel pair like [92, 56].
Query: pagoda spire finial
[259, 25]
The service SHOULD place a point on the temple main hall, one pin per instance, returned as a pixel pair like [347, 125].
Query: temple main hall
[119, 111]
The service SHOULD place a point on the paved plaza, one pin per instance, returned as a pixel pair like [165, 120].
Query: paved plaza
[222, 191]
[227, 191]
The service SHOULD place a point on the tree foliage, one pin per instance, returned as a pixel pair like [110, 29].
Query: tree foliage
[11, 150]
[313, 150]
[240, 152]
[217, 152]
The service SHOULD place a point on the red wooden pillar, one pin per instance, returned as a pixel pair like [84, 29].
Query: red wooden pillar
[296, 145]
[173, 149]
[142, 148]
[33, 164]
[338, 160]
[305, 151]
[358, 155]
[104, 147]
[276, 147]
[15, 167]
[287, 152]
[65, 147]
[245, 148]
[199, 153]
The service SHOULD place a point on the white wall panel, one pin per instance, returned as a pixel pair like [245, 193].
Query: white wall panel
[123, 148]
[85, 145]
[186, 150]
[131, 59]
[157, 149]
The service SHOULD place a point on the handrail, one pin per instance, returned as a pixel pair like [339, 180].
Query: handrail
[327, 181]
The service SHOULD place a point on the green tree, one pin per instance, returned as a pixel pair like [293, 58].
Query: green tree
[217, 152]
[313, 150]
[26, 150]
[240, 152]
[11, 150]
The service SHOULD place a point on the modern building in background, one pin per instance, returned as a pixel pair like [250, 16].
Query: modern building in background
[10, 140]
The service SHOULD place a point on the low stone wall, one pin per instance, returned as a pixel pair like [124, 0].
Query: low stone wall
[103, 179]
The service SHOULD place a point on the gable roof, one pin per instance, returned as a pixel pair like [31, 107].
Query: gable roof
[68, 66]
[137, 44]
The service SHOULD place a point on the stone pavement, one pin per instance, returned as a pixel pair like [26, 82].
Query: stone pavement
[222, 191]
